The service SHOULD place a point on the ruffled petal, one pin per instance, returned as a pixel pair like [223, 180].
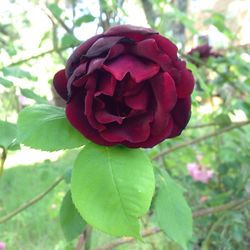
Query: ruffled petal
[102, 116]
[60, 84]
[139, 70]
[75, 115]
[185, 85]
[102, 45]
[139, 101]
[148, 48]
[128, 29]
[167, 46]
[106, 84]
[88, 107]
[181, 115]
[132, 130]
[165, 99]
[75, 58]
[155, 139]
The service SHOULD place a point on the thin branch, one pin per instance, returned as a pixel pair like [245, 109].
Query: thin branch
[2, 159]
[199, 139]
[30, 202]
[62, 23]
[39, 55]
[209, 125]
[200, 213]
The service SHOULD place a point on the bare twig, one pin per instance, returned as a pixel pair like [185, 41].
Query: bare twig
[2, 159]
[200, 213]
[30, 202]
[199, 139]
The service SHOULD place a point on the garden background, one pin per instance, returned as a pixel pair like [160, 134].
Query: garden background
[210, 159]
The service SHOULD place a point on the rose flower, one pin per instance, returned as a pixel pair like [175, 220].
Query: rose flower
[126, 86]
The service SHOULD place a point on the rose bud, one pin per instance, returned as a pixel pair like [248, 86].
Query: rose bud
[126, 86]
[202, 52]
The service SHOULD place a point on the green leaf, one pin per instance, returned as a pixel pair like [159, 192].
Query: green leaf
[18, 73]
[55, 10]
[71, 222]
[6, 83]
[46, 127]
[69, 40]
[84, 19]
[223, 120]
[8, 133]
[32, 95]
[172, 212]
[112, 187]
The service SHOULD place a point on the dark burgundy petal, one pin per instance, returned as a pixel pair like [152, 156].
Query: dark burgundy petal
[148, 48]
[106, 85]
[155, 139]
[104, 117]
[139, 70]
[133, 130]
[139, 101]
[102, 45]
[181, 113]
[165, 97]
[125, 29]
[116, 50]
[74, 59]
[185, 85]
[60, 84]
[88, 107]
[131, 87]
[75, 115]
[167, 46]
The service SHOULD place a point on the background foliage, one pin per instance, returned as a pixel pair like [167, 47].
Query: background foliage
[36, 38]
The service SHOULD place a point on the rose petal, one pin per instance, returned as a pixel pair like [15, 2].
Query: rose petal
[102, 45]
[185, 85]
[154, 139]
[132, 130]
[148, 48]
[74, 59]
[139, 70]
[60, 84]
[128, 29]
[181, 115]
[106, 85]
[139, 101]
[104, 117]
[75, 115]
[88, 107]
[116, 50]
[167, 46]
[164, 91]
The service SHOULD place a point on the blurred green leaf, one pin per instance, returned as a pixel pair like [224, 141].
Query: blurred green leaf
[28, 93]
[84, 19]
[18, 73]
[71, 222]
[8, 133]
[55, 9]
[223, 120]
[6, 83]
[172, 212]
[218, 21]
[69, 40]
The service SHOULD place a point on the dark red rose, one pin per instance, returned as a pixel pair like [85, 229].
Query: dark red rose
[202, 52]
[126, 86]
